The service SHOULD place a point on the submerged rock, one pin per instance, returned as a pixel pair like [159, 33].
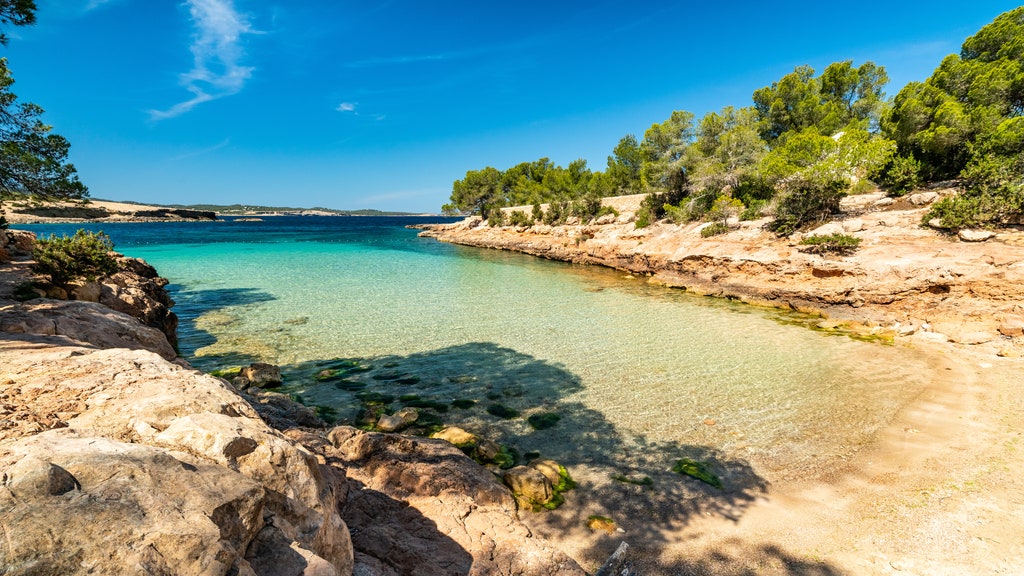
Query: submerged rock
[397, 421]
[261, 375]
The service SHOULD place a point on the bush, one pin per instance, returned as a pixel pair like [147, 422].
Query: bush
[901, 175]
[84, 256]
[517, 218]
[724, 207]
[808, 201]
[652, 208]
[714, 229]
[496, 218]
[557, 213]
[993, 193]
[753, 211]
[830, 244]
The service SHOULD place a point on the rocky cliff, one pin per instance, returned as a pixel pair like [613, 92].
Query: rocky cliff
[905, 279]
[117, 458]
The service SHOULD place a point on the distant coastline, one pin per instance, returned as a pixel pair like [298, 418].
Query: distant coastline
[97, 210]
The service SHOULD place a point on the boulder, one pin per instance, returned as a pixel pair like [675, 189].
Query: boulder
[884, 201]
[133, 461]
[137, 290]
[122, 508]
[456, 436]
[423, 507]
[261, 374]
[972, 338]
[975, 235]
[530, 486]
[550, 469]
[1012, 326]
[853, 226]
[87, 322]
[923, 198]
[87, 291]
[397, 421]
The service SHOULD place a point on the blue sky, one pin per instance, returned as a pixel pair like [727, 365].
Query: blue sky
[382, 105]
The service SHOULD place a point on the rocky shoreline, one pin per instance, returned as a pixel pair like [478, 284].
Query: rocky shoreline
[905, 280]
[117, 457]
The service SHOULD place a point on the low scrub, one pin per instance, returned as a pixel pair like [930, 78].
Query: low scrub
[829, 244]
[84, 256]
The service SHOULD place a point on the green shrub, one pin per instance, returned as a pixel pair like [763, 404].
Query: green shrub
[724, 207]
[652, 208]
[538, 213]
[496, 218]
[25, 291]
[86, 255]
[714, 229]
[557, 213]
[830, 244]
[993, 193]
[753, 211]
[808, 201]
[517, 218]
[901, 175]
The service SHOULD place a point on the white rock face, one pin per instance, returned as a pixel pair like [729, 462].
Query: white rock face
[975, 235]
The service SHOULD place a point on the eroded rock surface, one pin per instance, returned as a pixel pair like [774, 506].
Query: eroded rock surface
[117, 461]
[423, 507]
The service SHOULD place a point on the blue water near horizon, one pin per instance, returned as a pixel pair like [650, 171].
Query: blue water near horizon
[592, 343]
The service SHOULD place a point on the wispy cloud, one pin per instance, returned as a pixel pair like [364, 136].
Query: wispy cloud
[347, 107]
[216, 52]
[94, 4]
[207, 150]
[369, 62]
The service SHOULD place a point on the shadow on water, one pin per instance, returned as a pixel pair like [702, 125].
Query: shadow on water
[494, 391]
[190, 304]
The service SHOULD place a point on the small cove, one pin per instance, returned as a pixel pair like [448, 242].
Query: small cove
[639, 374]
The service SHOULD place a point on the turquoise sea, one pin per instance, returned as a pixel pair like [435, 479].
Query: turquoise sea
[639, 374]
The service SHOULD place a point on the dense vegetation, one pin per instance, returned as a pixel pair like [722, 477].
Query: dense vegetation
[33, 161]
[66, 259]
[804, 142]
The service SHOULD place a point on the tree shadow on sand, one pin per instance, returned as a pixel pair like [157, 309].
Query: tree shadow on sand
[619, 474]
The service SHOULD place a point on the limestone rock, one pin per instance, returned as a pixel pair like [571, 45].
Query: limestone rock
[153, 465]
[34, 477]
[975, 235]
[827, 229]
[972, 338]
[549, 468]
[884, 201]
[923, 198]
[529, 486]
[84, 322]
[1012, 326]
[853, 226]
[426, 508]
[456, 436]
[137, 290]
[262, 375]
[138, 507]
[87, 291]
[397, 421]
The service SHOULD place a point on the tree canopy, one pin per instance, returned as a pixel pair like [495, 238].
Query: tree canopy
[806, 139]
[33, 161]
[967, 121]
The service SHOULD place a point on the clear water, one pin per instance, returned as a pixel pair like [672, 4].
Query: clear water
[638, 373]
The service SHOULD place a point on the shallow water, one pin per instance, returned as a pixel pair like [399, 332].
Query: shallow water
[631, 368]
